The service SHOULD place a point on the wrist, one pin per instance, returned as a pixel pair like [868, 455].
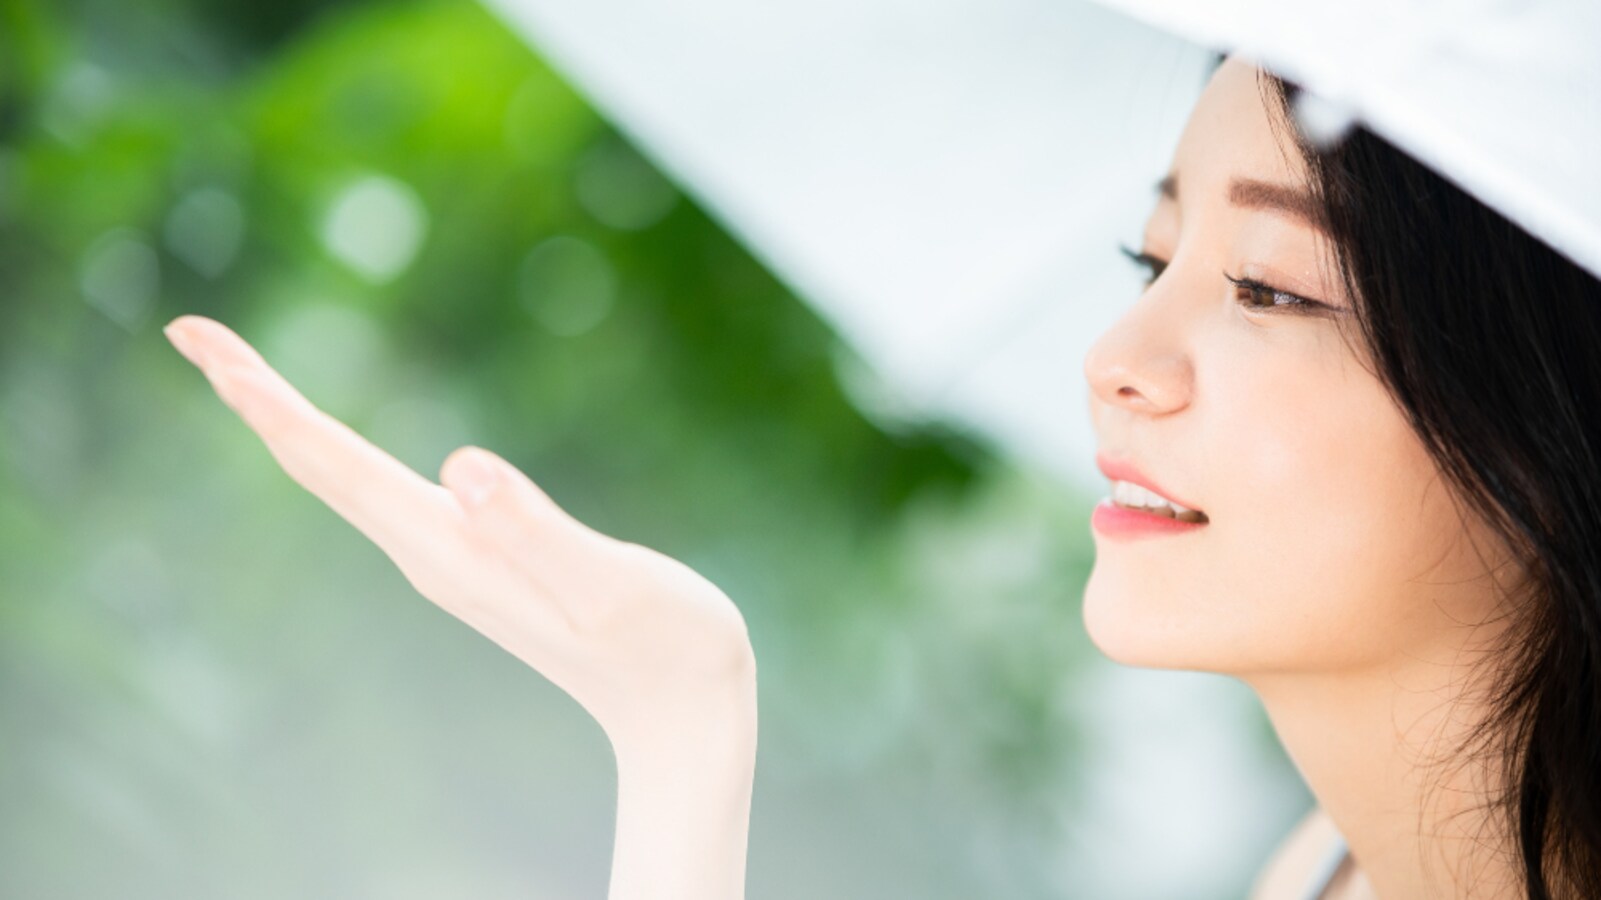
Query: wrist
[715, 717]
[715, 729]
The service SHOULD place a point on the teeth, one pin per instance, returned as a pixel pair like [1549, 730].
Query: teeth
[1132, 495]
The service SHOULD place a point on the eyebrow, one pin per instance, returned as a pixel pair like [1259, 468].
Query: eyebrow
[1253, 194]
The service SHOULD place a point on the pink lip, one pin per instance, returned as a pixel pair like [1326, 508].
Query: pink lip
[1120, 522]
[1123, 470]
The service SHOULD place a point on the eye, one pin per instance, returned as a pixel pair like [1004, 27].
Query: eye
[1153, 266]
[1249, 292]
[1253, 294]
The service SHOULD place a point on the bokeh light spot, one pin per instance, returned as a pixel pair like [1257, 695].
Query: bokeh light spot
[567, 284]
[78, 103]
[333, 354]
[120, 276]
[375, 226]
[205, 230]
[620, 188]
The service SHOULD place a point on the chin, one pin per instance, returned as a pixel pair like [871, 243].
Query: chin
[1136, 622]
[1142, 626]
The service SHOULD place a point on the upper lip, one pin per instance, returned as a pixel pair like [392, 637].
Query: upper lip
[1121, 469]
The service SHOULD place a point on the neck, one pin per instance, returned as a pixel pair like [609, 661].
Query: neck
[1379, 750]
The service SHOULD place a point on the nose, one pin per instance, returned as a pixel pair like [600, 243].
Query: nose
[1142, 362]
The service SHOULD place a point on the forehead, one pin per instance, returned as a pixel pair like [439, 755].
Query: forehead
[1232, 132]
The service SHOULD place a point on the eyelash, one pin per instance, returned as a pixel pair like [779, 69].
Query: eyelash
[1244, 287]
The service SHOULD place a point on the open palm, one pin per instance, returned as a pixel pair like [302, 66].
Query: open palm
[636, 637]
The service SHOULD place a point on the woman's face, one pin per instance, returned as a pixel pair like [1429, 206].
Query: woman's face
[1332, 542]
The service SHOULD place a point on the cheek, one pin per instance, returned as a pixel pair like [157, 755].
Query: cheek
[1332, 540]
[1331, 510]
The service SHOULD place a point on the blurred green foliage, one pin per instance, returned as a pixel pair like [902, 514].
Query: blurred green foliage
[211, 686]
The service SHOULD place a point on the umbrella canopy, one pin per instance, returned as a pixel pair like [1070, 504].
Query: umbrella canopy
[1502, 98]
[946, 180]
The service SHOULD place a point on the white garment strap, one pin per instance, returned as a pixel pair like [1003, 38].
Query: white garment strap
[1324, 873]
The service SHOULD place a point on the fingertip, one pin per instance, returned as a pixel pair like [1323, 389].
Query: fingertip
[214, 329]
[479, 476]
[180, 337]
[457, 458]
[472, 473]
[222, 340]
[183, 321]
[189, 326]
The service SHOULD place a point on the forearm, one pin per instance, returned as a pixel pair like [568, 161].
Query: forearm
[683, 807]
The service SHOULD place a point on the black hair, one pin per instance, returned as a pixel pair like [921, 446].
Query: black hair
[1489, 341]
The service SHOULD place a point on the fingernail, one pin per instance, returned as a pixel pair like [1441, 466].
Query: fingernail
[477, 476]
[185, 343]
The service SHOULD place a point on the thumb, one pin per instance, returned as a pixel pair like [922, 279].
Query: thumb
[488, 485]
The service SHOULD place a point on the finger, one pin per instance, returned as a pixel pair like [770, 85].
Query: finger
[420, 525]
[407, 515]
[511, 514]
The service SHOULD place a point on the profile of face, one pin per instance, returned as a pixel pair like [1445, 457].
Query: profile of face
[1332, 541]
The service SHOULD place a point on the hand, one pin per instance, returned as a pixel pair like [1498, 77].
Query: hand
[638, 639]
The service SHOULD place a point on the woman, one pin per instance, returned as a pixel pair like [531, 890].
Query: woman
[1367, 391]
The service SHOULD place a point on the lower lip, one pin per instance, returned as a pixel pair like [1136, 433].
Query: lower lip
[1119, 522]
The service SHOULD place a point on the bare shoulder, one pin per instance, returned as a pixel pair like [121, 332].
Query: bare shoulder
[1291, 866]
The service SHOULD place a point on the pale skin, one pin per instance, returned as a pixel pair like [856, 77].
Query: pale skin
[1336, 576]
